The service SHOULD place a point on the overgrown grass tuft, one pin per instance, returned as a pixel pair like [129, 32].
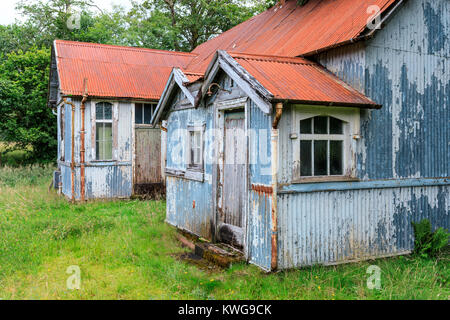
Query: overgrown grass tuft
[126, 251]
[25, 176]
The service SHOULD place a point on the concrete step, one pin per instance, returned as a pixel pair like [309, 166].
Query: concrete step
[219, 254]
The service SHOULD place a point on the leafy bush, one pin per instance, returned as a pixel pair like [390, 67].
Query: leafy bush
[26, 122]
[14, 159]
[428, 243]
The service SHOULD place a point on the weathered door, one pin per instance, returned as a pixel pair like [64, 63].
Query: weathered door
[233, 198]
[147, 173]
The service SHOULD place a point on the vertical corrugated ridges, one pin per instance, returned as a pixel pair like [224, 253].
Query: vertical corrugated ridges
[333, 227]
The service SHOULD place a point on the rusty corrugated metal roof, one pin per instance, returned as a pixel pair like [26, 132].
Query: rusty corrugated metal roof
[293, 30]
[300, 80]
[193, 77]
[114, 71]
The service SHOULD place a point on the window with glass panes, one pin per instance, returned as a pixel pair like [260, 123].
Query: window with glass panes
[321, 147]
[103, 130]
[195, 148]
[144, 112]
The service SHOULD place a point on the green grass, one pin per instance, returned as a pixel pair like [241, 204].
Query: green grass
[125, 251]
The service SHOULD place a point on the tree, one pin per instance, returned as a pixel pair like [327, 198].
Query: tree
[192, 22]
[26, 122]
[58, 19]
[15, 37]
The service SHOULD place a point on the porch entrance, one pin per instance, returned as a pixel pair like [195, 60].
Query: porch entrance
[232, 203]
[147, 165]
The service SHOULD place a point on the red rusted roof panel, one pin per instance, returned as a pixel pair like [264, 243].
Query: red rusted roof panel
[193, 77]
[293, 30]
[298, 79]
[114, 71]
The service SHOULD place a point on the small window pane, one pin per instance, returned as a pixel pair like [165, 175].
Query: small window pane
[138, 114]
[321, 125]
[197, 156]
[305, 158]
[320, 158]
[336, 126]
[306, 126]
[148, 113]
[195, 149]
[336, 155]
[99, 111]
[103, 111]
[104, 141]
[192, 147]
[107, 111]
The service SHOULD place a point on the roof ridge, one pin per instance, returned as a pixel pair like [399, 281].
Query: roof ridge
[193, 73]
[125, 48]
[272, 58]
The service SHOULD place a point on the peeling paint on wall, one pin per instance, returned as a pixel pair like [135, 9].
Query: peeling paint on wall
[406, 70]
[337, 226]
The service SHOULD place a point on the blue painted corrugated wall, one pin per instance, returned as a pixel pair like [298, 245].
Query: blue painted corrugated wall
[104, 180]
[330, 227]
[259, 230]
[189, 203]
[406, 69]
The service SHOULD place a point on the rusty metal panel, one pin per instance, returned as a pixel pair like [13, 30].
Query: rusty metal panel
[293, 30]
[340, 226]
[148, 156]
[298, 79]
[114, 71]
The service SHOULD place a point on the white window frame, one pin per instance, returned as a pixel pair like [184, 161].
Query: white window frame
[113, 121]
[351, 129]
[189, 165]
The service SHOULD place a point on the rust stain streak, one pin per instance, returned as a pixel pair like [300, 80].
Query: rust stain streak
[260, 189]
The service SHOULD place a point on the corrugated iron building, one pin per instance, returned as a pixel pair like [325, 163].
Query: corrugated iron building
[359, 150]
[302, 136]
[114, 152]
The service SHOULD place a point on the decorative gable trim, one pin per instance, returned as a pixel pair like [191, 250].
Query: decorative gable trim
[177, 79]
[256, 92]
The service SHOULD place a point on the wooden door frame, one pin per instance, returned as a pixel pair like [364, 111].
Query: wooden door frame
[219, 126]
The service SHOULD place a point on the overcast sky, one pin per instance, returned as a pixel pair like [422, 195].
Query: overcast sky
[8, 14]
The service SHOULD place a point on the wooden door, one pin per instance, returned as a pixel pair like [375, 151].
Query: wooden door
[234, 171]
[147, 171]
